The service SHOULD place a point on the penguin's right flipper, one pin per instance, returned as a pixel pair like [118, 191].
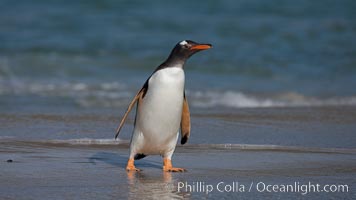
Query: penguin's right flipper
[138, 96]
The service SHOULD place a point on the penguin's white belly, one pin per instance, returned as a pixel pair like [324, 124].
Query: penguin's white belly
[159, 113]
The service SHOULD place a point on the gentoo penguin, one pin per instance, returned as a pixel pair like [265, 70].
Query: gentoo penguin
[162, 109]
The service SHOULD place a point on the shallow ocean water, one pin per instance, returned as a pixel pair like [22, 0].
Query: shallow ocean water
[99, 53]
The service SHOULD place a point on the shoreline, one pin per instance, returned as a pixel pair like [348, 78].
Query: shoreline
[43, 172]
[58, 155]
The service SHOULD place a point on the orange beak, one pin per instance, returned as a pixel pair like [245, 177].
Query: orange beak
[201, 47]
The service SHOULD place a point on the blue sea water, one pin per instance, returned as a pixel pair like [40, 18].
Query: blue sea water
[98, 53]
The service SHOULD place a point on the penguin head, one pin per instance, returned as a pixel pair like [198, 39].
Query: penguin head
[186, 48]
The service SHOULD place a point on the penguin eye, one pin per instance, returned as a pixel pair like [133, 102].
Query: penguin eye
[184, 44]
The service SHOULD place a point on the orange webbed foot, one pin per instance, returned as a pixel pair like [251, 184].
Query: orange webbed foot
[174, 169]
[167, 166]
[130, 166]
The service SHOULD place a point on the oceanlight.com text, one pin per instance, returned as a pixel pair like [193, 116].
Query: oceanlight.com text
[262, 187]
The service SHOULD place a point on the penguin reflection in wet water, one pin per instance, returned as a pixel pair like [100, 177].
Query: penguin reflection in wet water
[162, 109]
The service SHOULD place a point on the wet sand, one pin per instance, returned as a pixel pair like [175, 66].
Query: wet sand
[239, 151]
[64, 171]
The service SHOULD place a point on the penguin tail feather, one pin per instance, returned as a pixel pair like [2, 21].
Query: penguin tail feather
[139, 156]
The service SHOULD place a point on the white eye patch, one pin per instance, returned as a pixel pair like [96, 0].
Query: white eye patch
[183, 43]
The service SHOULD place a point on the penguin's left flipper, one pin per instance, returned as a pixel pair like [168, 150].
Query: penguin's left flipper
[138, 96]
[185, 122]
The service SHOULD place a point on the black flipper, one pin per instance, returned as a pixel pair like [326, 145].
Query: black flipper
[138, 96]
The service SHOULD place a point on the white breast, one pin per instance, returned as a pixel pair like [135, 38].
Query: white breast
[159, 115]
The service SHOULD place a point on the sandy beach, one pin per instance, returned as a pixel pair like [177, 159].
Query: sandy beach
[298, 146]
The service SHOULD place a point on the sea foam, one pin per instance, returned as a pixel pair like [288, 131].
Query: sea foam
[115, 94]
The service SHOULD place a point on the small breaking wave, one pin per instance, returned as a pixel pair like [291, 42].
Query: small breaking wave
[91, 142]
[241, 100]
[88, 141]
[115, 94]
[55, 143]
[270, 147]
